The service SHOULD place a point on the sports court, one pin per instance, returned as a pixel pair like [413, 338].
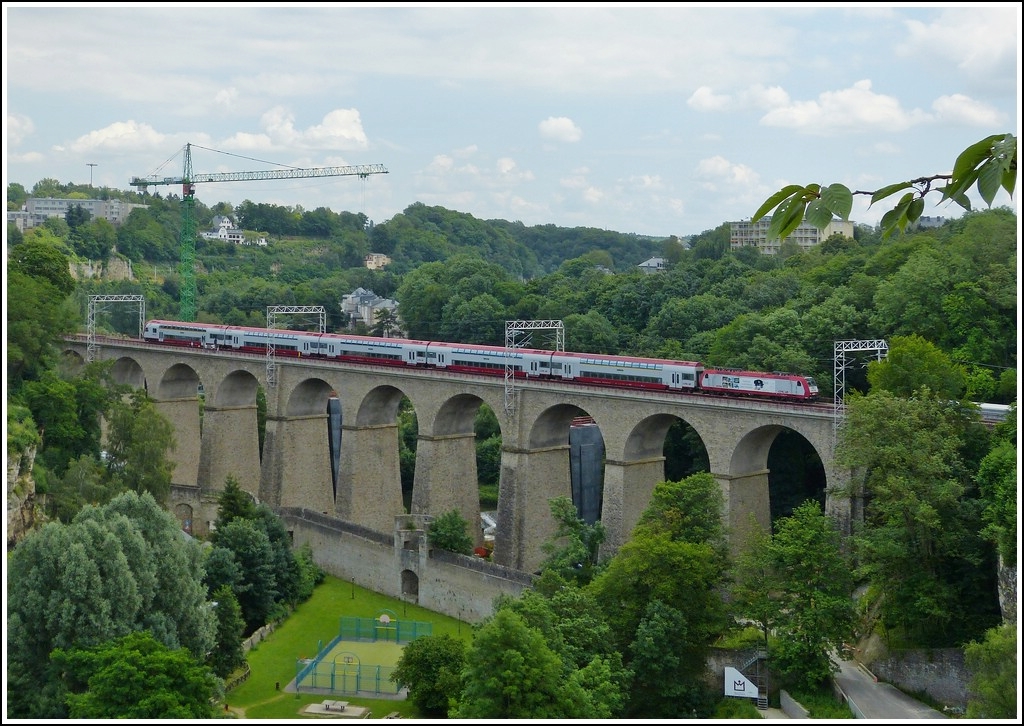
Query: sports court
[359, 661]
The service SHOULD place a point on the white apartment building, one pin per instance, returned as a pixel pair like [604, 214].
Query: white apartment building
[226, 231]
[745, 234]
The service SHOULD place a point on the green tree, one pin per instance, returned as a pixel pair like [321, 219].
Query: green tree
[42, 261]
[253, 553]
[449, 532]
[919, 542]
[997, 482]
[136, 677]
[813, 593]
[912, 363]
[431, 668]
[233, 503]
[992, 663]
[16, 196]
[572, 552]
[385, 323]
[115, 569]
[511, 673]
[139, 439]
[227, 654]
[667, 678]
[37, 316]
[754, 597]
[677, 554]
[76, 216]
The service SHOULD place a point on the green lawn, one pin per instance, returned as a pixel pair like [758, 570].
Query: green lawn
[272, 662]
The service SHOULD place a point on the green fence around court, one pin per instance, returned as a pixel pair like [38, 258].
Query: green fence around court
[349, 675]
[396, 631]
[350, 678]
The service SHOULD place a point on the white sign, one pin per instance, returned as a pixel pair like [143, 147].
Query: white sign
[737, 684]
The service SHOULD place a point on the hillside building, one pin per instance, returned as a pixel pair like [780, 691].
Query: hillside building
[376, 261]
[37, 210]
[363, 305]
[745, 234]
[226, 231]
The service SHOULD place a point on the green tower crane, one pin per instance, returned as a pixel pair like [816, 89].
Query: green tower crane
[188, 181]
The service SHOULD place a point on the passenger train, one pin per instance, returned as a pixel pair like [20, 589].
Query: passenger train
[586, 368]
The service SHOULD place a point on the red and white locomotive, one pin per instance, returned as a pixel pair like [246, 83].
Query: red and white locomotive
[588, 368]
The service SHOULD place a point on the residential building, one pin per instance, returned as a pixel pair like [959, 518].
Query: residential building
[37, 210]
[655, 264]
[745, 234]
[376, 260]
[363, 305]
[226, 231]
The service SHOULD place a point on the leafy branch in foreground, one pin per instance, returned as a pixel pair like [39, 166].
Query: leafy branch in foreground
[990, 165]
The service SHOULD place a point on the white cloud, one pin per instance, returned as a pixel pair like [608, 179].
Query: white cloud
[648, 181]
[704, 99]
[958, 108]
[19, 128]
[560, 129]
[593, 195]
[577, 180]
[341, 130]
[759, 96]
[30, 157]
[718, 169]
[850, 110]
[441, 163]
[243, 141]
[979, 40]
[117, 137]
[226, 98]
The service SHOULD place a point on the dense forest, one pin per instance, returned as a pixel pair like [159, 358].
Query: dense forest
[941, 488]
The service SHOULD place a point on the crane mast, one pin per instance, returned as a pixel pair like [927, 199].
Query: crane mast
[188, 181]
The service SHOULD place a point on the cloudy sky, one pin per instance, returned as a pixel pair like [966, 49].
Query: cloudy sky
[659, 119]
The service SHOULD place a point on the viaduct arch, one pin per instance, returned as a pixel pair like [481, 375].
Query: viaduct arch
[218, 436]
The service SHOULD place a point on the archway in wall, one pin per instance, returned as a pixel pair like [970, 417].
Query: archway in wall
[230, 433]
[795, 474]
[370, 490]
[685, 453]
[178, 397]
[660, 448]
[410, 585]
[773, 470]
[303, 444]
[462, 445]
[127, 371]
[183, 513]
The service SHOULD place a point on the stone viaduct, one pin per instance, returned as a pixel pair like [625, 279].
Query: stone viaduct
[217, 437]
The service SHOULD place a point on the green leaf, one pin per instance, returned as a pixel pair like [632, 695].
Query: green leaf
[838, 199]
[974, 155]
[963, 201]
[990, 178]
[775, 200]
[959, 186]
[787, 218]
[818, 214]
[1010, 179]
[915, 209]
[889, 191]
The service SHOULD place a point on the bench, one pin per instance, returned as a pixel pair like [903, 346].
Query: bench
[335, 705]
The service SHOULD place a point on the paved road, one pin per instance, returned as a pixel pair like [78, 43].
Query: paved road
[879, 701]
[872, 700]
